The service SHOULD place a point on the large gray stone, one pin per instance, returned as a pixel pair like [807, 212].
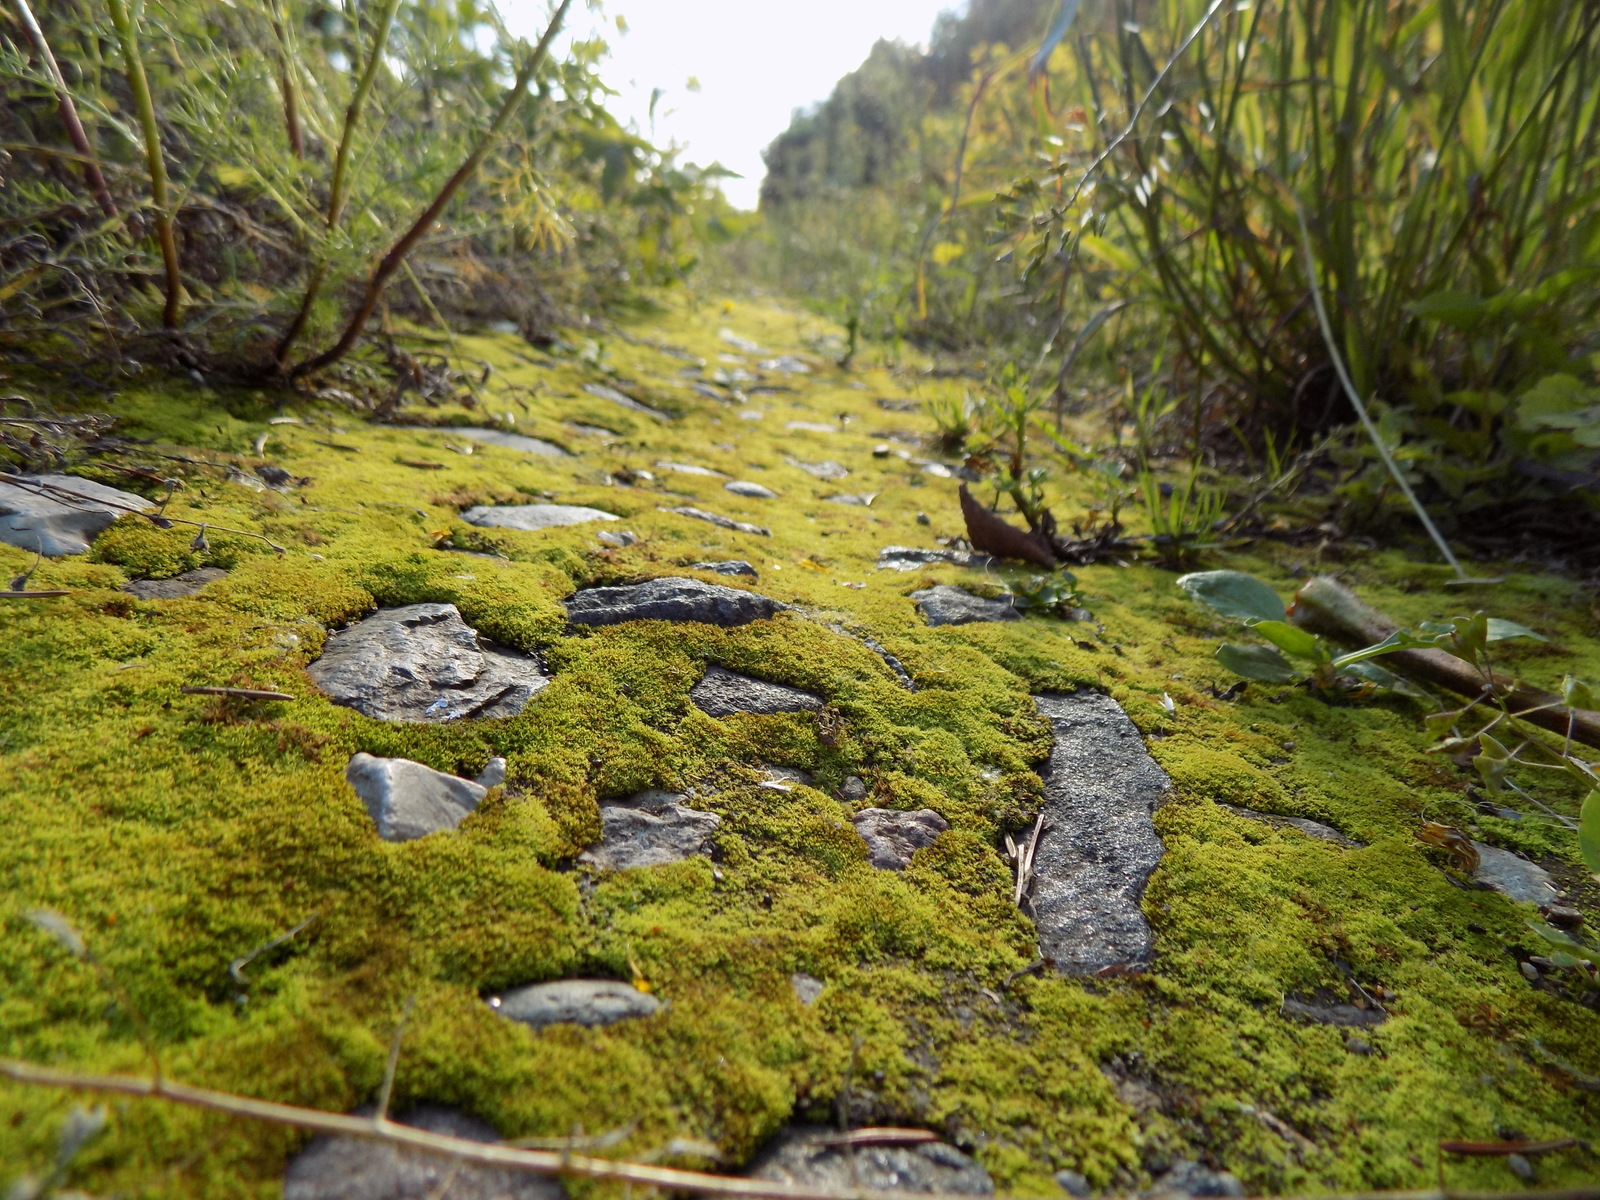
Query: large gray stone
[1513, 876]
[893, 836]
[670, 598]
[533, 516]
[649, 829]
[721, 522]
[1099, 844]
[408, 800]
[497, 437]
[177, 587]
[722, 693]
[812, 1156]
[946, 605]
[422, 662]
[589, 1002]
[60, 514]
[350, 1168]
[602, 392]
[744, 487]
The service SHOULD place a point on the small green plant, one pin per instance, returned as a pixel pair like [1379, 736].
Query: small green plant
[1054, 595]
[1181, 518]
[953, 421]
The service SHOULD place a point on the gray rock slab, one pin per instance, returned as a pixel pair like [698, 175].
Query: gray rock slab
[1098, 846]
[946, 605]
[827, 469]
[730, 566]
[60, 514]
[909, 558]
[1513, 876]
[1322, 1011]
[721, 522]
[744, 487]
[497, 437]
[863, 500]
[811, 1156]
[893, 836]
[533, 516]
[689, 469]
[348, 1168]
[177, 587]
[602, 392]
[422, 662]
[671, 598]
[408, 800]
[722, 693]
[590, 1002]
[1316, 829]
[649, 829]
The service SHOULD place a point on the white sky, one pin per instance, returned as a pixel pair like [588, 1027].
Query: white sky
[756, 60]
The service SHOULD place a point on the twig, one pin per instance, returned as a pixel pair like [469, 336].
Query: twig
[1495, 1149]
[33, 595]
[68, 110]
[237, 966]
[242, 693]
[381, 1117]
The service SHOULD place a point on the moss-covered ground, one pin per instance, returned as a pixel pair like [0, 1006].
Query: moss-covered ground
[180, 832]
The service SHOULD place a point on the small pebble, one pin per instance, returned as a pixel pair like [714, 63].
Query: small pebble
[881, 450]
[1529, 972]
[1357, 1046]
[1073, 1183]
[1521, 1168]
[1563, 917]
[923, 519]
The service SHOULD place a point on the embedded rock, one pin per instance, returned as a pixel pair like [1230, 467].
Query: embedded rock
[946, 605]
[602, 392]
[862, 501]
[785, 364]
[807, 988]
[60, 514]
[743, 487]
[809, 427]
[700, 514]
[409, 800]
[351, 1168]
[493, 773]
[827, 469]
[177, 587]
[853, 789]
[589, 1002]
[649, 829]
[1327, 1010]
[422, 662]
[892, 836]
[669, 599]
[1316, 829]
[731, 566]
[498, 437]
[812, 1156]
[689, 469]
[533, 516]
[1190, 1178]
[722, 693]
[1099, 845]
[909, 558]
[1513, 876]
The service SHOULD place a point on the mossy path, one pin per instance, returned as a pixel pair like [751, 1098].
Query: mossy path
[180, 833]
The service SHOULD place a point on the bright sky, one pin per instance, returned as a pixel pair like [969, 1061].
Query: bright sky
[755, 60]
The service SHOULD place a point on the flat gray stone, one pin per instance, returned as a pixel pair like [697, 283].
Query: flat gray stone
[649, 829]
[785, 364]
[1321, 1011]
[730, 566]
[722, 693]
[810, 1156]
[1189, 1178]
[409, 800]
[689, 469]
[946, 605]
[60, 514]
[602, 392]
[1316, 829]
[589, 1002]
[721, 522]
[807, 988]
[1513, 876]
[893, 836]
[809, 427]
[755, 491]
[855, 501]
[669, 599]
[1099, 844]
[533, 516]
[497, 437]
[827, 469]
[177, 587]
[350, 1168]
[423, 663]
[1073, 1183]
[909, 558]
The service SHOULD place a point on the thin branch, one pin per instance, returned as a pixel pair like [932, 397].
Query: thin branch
[69, 110]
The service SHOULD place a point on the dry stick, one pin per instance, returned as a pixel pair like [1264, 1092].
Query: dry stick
[1327, 607]
[545, 1162]
[397, 254]
[381, 1116]
[69, 110]
[139, 85]
[339, 185]
[242, 693]
[291, 106]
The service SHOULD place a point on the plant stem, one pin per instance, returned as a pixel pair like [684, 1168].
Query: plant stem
[69, 111]
[397, 254]
[139, 85]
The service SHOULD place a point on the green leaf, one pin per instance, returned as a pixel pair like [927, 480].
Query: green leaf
[1576, 692]
[1492, 762]
[1234, 594]
[1385, 678]
[1289, 638]
[1256, 662]
[1503, 631]
[1566, 941]
[1589, 831]
[1456, 309]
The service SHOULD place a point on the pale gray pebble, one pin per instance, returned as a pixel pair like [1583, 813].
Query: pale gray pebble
[495, 437]
[350, 1168]
[807, 988]
[610, 394]
[60, 514]
[894, 836]
[810, 1156]
[1357, 1045]
[617, 540]
[755, 491]
[1190, 1178]
[853, 789]
[1073, 1183]
[530, 517]
[827, 469]
[423, 663]
[731, 566]
[649, 829]
[408, 800]
[946, 605]
[723, 693]
[177, 587]
[1521, 1167]
[909, 558]
[689, 469]
[721, 522]
[588, 1002]
[1529, 971]
[859, 501]
[670, 598]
